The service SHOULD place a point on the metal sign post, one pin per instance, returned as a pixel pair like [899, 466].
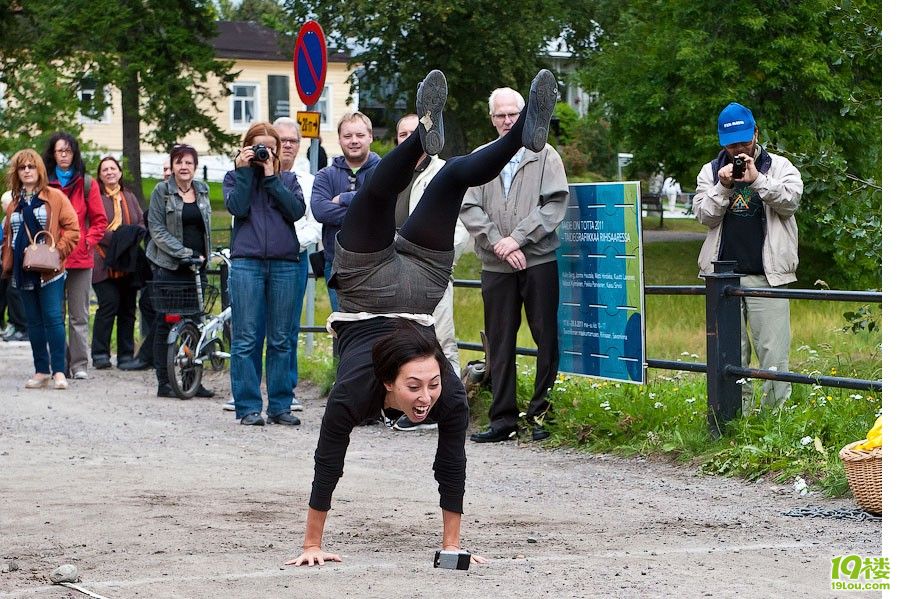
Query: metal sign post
[310, 65]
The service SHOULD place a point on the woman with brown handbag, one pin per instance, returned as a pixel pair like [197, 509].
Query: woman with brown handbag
[39, 212]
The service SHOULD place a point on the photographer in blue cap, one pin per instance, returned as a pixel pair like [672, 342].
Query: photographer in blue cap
[747, 197]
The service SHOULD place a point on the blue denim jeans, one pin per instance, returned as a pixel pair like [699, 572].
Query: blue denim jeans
[46, 328]
[263, 303]
[301, 294]
[332, 294]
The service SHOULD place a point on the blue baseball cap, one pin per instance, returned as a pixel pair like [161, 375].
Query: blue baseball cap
[736, 124]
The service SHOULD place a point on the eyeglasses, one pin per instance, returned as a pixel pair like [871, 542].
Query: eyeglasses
[352, 179]
[289, 140]
[27, 167]
[63, 151]
[503, 116]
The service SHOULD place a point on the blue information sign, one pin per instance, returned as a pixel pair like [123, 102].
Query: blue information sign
[601, 322]
[310, 62]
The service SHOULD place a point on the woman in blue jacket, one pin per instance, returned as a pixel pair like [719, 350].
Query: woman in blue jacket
[264, 280]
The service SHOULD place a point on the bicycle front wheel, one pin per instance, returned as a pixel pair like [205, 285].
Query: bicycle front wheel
[184, 373]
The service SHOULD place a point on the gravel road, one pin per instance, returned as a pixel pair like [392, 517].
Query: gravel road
[163, 498]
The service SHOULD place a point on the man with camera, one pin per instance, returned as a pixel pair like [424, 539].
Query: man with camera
[747, 197]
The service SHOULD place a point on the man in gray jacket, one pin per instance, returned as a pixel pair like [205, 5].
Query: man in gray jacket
[513, 220]
[747, 197]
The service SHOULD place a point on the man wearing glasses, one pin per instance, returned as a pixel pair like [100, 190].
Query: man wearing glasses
[513, 220]
[335, 186]
[747, 197]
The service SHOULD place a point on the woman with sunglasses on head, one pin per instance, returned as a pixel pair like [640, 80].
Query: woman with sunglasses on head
[116, 288]
[265, 276]
[36, 207]
[178, 220]
[389, 283]
[65, 169]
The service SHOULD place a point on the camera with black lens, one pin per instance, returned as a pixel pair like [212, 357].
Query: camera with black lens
[260, 153]
[738, 171]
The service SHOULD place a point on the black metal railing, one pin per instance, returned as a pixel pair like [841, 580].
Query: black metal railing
[723, 337]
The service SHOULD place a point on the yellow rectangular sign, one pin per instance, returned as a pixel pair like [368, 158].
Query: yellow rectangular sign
[309, 123]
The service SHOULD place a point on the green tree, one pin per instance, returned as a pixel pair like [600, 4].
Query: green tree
[811, 72]
[270, 13]
[478, 44]
[157, 54]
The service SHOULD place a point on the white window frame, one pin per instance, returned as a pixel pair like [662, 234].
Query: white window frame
[106, 117]
[239, 125]
[323, 106]
[2, 96]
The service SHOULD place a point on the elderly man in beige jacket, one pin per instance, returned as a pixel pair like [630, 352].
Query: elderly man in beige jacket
[513, 220]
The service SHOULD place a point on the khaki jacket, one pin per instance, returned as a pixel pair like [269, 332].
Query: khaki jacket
[460, 233]
[62, 223]
[490, 216]
[780, 190]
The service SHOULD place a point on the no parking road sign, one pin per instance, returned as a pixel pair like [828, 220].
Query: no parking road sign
[310, 62]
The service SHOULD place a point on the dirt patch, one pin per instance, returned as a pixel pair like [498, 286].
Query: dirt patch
[164, 498]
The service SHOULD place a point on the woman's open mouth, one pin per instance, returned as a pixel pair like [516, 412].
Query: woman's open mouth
[420, 412]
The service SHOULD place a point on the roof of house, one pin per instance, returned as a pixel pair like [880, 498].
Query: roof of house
[252, 41]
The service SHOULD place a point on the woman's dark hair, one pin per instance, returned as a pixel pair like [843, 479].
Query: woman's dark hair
[179, 150]
[50, 154]
[100, 165]
[406, 343]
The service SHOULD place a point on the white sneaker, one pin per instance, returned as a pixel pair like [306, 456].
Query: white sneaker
[229, 405]
[80, 375]
[296, 406]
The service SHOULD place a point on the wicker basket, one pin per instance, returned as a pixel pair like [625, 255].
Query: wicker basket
[863, 470]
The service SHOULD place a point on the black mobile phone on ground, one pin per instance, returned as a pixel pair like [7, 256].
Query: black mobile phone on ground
[452, 560]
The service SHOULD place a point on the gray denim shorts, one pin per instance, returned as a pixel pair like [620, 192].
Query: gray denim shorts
[403, 277]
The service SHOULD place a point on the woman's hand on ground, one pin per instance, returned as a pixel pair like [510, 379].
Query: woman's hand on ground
[313, 556]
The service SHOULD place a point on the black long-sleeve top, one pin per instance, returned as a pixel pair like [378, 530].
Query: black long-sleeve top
[357, 396]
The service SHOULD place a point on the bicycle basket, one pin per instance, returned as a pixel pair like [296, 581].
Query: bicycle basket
[180, 297]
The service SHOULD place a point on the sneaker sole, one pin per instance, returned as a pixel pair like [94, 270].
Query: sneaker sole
[417, 427]
[228, 407]
[430, 99]
[541, 103]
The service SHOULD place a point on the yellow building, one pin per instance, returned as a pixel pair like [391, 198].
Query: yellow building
[263, 90]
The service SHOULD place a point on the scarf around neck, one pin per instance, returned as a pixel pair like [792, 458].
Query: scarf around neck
[118, 199]
[64, 177]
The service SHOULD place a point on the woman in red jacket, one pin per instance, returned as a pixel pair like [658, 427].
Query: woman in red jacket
[65, 170]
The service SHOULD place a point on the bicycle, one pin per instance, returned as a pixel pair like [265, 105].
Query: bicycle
[197, 336]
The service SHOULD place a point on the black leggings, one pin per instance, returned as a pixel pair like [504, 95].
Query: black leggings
[369, 224]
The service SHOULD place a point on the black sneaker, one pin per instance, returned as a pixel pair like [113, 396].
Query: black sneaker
[539, 433]
[492, 435]
[204, 392]
[287, 419]
[405, 424]
[165, 390]
[538, 110]
[101, 362]
[430, 99]
[253, 419]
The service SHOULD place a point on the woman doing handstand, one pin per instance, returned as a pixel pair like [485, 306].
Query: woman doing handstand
[388, 287]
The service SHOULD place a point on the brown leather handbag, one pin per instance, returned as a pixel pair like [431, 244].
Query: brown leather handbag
[41, 257]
